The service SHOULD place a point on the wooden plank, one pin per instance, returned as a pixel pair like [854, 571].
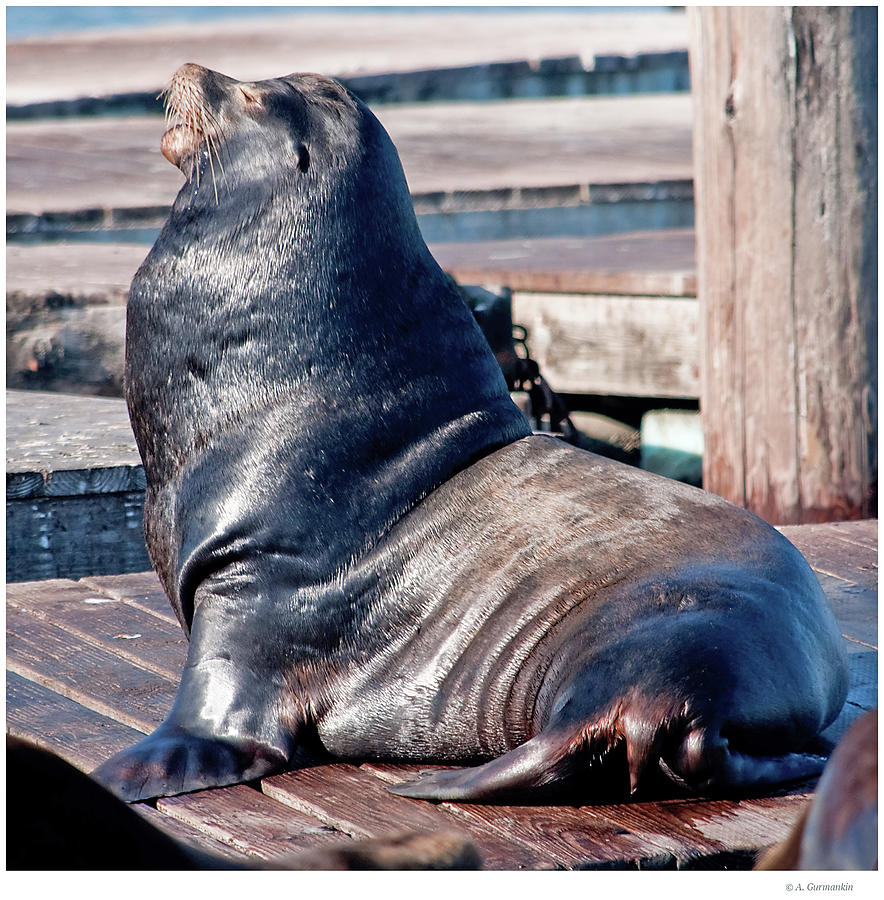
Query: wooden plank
[830, 554]
[85, 739]
[845, 559]
[740, 824]
[155, 644]
[357, 803]
[250, 822]
[651, 263]
[855, 608]
[101, 681]
[61, 435]
[139, 589]
[639, 834]
[635, 346]
[45, 535]
[786, 213]
[191, 837]
[653, 823]
[451, 148]
[860, 531]
[367, 42]
[78, 734]
[862, 692]
[572, 837]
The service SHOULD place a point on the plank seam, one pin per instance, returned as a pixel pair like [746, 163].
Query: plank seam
[854, 640]
[136, 604]
[113, 649]
[823, 571]
[70, 693]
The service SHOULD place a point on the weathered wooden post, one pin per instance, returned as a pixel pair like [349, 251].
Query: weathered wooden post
[785, 161]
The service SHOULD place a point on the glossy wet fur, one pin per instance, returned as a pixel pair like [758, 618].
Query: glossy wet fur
[365, 545]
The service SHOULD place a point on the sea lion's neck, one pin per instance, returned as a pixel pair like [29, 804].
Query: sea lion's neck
[337, 371]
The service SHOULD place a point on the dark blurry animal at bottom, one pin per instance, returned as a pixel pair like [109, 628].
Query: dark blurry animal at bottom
[58, 819]
[367, 547]
[839, 830]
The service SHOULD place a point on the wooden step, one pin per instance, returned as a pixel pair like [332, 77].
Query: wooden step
[351, 44]
[457, 157]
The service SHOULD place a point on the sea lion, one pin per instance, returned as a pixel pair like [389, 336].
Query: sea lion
[839, 829]
[365, 543]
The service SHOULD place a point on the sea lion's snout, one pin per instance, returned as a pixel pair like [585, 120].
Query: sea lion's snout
[177, 143]
[186, 113]
[200, 105]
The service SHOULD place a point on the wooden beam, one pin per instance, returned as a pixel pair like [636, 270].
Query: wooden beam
[614, 345]
[785, 150]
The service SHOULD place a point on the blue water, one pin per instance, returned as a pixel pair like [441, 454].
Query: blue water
[34, 21]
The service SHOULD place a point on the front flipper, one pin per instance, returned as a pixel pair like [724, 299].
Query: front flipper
[236, 716]
[172, 761]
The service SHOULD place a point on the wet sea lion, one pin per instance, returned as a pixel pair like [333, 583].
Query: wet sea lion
[366, 545]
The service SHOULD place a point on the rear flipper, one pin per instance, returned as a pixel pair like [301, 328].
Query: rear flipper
[557, 760]
[526, 771]
[711, 764]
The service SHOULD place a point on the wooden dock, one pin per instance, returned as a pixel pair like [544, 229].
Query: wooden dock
[609, 315]
[93, 664]
[67, 165]
[345, 44]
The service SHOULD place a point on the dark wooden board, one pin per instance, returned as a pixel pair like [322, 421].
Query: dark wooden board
[357, 803]
[153, 643]
[573, 839]
[99, 680]
[76, 733]
[653, 823]
[668, 834]
[75, 687]
[68, 537]
[566, 835]
[249, 821]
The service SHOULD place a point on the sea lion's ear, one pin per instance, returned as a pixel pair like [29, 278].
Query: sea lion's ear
[251, 98]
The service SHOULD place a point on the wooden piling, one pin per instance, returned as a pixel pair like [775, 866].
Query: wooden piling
[785, 154]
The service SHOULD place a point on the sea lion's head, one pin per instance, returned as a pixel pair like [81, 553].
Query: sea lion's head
[224, 133]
